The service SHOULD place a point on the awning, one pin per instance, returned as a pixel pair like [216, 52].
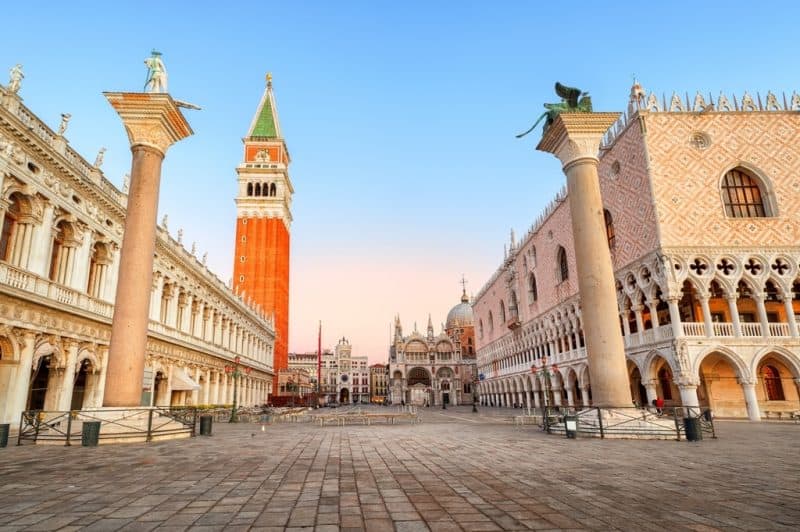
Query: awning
[182, 381]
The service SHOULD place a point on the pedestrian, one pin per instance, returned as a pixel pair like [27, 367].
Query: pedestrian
[658, 402]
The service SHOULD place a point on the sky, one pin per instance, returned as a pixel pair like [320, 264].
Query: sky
[400, 118]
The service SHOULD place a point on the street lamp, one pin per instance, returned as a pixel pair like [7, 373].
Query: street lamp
[234, 372]
[474, 396]
[546, 373]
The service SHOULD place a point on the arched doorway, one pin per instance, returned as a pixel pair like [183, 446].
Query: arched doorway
[344, 396]
[37, 396]
[776, 389]
[419, 385]
[719, 386]
[638, 391]
[665, 387]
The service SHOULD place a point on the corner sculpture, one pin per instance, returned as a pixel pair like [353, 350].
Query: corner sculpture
[569, 103]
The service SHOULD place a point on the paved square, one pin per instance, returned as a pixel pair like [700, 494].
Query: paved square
[455, 471]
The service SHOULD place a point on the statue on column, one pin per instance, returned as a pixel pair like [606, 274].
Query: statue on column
[16, 76]
[570, 103]
[156, 73]
[62, 127]
[98, 162]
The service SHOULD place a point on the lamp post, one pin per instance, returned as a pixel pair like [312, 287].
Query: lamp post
[475, 396]
[234, 372]
[545, 369]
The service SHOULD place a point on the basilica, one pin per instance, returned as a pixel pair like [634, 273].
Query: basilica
[701, 203]
[434, 369]
[62, 226]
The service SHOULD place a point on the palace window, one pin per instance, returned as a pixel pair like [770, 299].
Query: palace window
[563, 267]
[480, 328]
[491, 322]
[610, 234]
[772, 383]
[533, 293]
[502, 312]
[742, 195]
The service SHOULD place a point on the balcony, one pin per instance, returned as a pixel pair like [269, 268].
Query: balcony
[45, 288]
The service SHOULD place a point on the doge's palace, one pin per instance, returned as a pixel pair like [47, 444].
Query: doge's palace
[700, 202]
[62, 226]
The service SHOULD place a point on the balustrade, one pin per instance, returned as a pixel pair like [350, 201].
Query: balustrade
[751, 329]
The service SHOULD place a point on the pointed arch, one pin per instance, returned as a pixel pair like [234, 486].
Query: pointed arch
[745, 194]
[562, 273]
[273, 190]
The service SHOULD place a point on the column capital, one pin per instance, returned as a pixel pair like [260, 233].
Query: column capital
[576, 136]
[150, 119]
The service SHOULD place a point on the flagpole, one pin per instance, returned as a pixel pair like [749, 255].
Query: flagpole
[319, 362]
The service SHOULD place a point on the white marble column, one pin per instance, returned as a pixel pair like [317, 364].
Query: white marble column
[734, 311]
[65, 397]
[761, 310]
[706, 309]
[751, 400]
[787, 304]
[22, 382]
[675, 317]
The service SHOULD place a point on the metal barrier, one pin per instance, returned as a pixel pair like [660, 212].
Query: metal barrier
[666, 423]
[41, 426]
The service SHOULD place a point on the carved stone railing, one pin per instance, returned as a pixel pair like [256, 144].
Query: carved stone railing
[34, 284]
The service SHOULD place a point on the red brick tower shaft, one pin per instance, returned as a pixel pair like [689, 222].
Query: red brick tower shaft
[263, 202]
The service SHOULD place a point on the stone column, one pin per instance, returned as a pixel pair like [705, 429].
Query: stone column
[585, 395]
[709, 325]
[65, 398]
[650, 388]
[637, 312]
[22, 385]
[101, 383]
[153, 123]
[751, 401]
[761, 310]
[575, 139]
[207, 388]
[787, 304]
[734, 310]
[570, 397]
[689, 395]
[675, 317]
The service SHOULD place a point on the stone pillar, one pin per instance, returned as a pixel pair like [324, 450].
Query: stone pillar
[709, 325]
[751, 401]
[537, 403]
[652, 393]
[585, 395]
[207, 388]
[196, 392]
[570, 397]
[637, 312]
[689, 395]
[734, 310]
[153, 123]
[575, 139]
[675, 317]
[652, 306]
[19, 399]
[101, 383]
[65, 398]
[761, 310]
[787, 304]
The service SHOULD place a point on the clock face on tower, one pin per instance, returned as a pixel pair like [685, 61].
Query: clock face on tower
[344, 378]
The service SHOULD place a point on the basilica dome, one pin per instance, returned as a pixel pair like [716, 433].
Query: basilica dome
[460, 315]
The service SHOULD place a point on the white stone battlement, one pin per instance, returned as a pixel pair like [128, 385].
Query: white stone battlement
[771, 102]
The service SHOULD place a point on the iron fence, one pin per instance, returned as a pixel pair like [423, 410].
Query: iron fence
[47, 426]
[667, 422]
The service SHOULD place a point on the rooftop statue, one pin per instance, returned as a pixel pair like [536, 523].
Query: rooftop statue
[15, 78]
[156, 73]
[570, 103]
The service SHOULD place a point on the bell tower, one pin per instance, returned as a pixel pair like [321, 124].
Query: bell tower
[263, 220]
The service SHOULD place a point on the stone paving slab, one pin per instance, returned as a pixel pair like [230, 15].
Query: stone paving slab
[455, 471]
